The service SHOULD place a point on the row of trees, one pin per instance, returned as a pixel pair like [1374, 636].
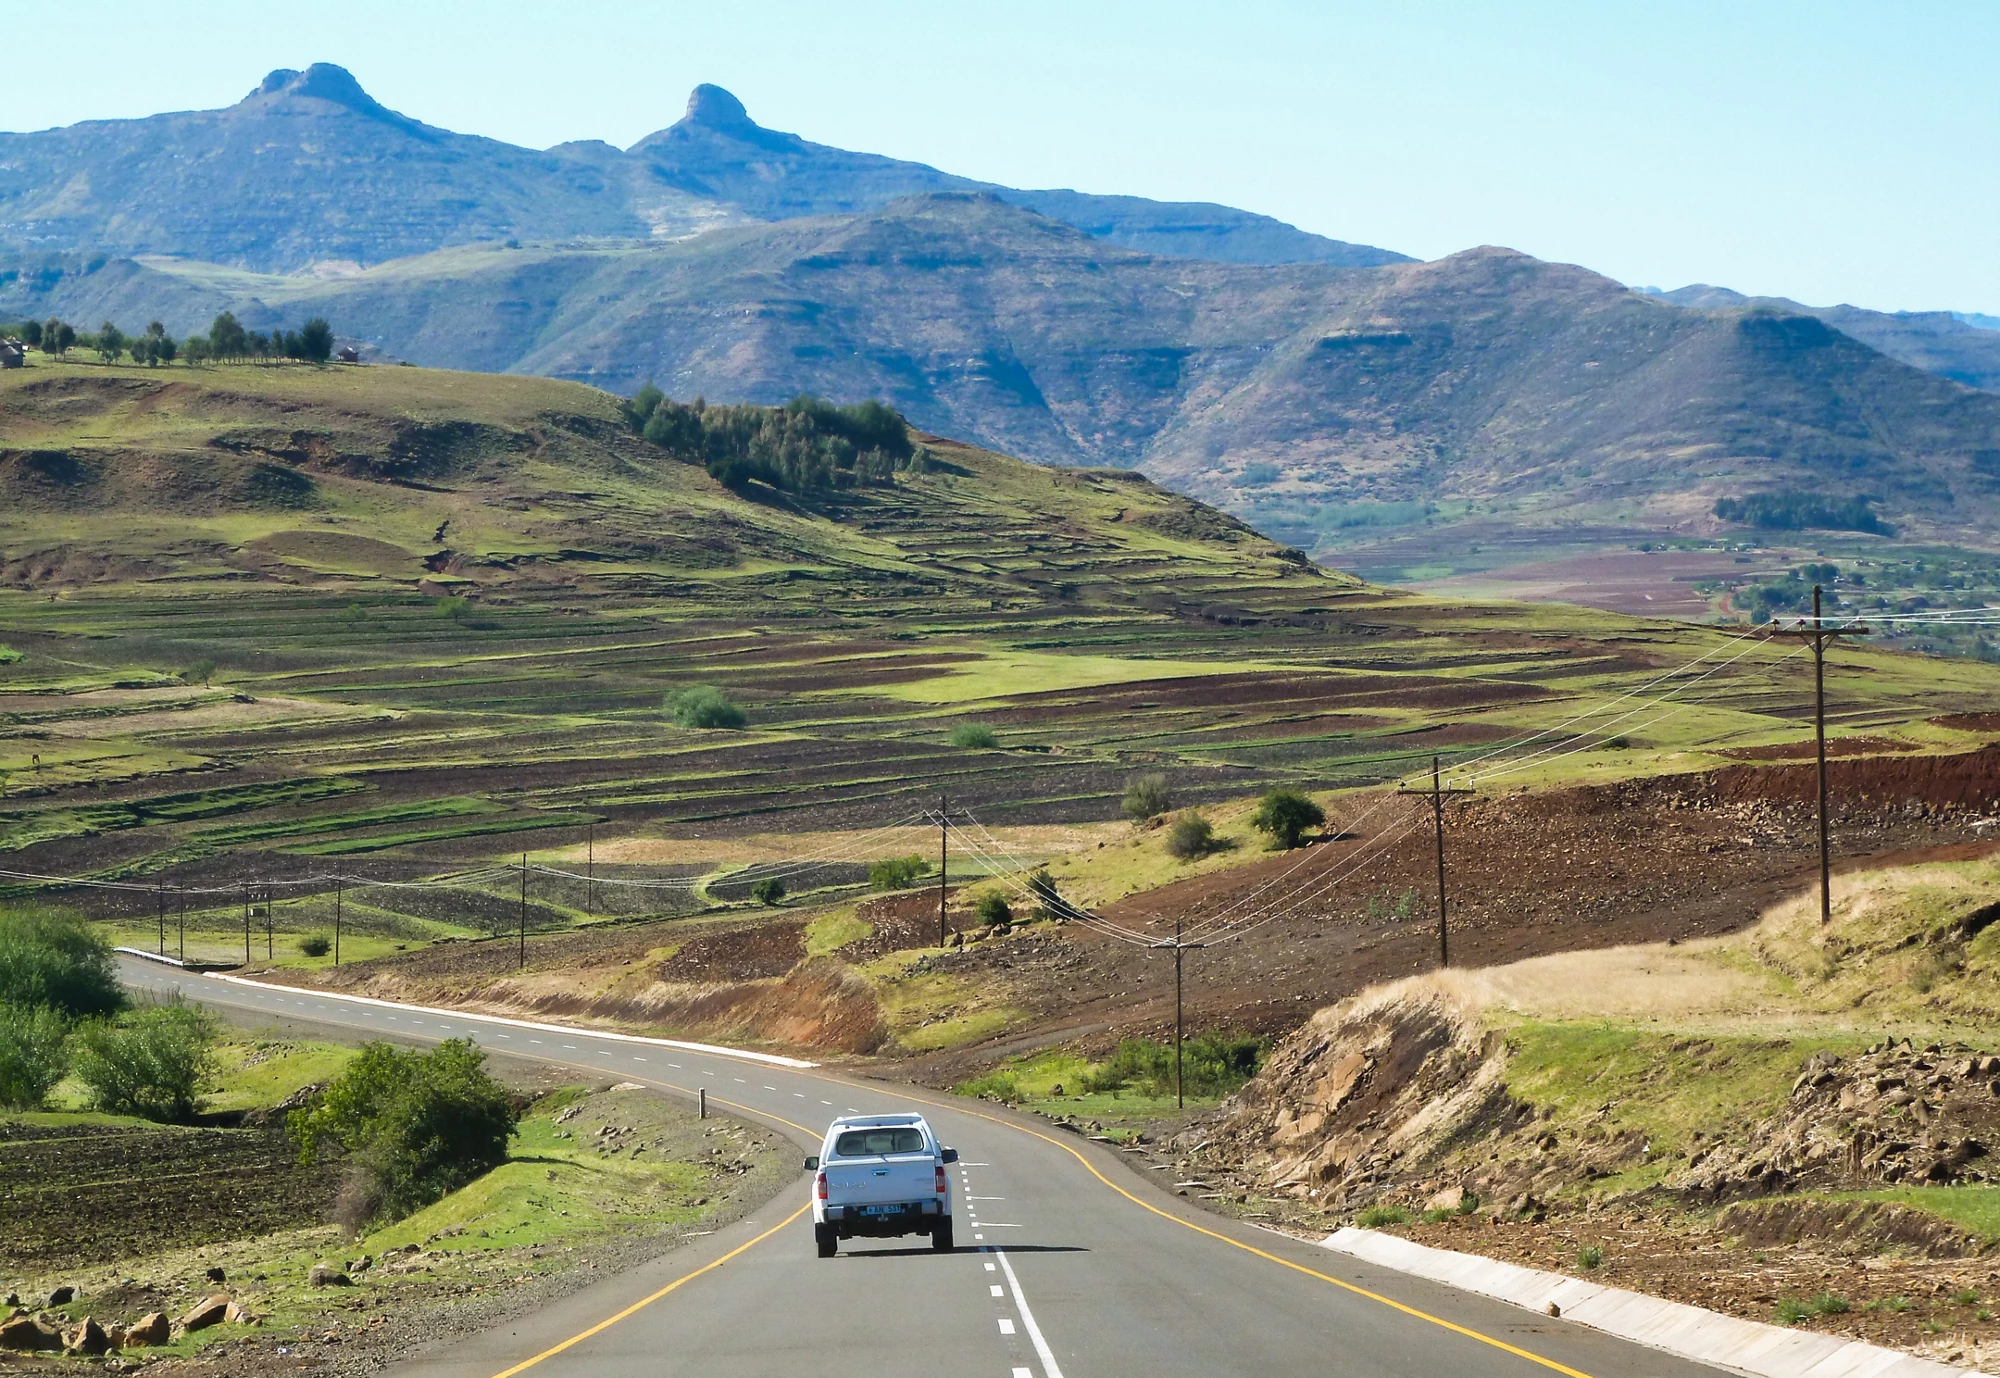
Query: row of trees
[226, 340]
[808, 443]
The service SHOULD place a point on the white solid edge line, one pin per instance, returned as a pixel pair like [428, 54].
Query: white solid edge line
[1049, 1365]
[772, 1059]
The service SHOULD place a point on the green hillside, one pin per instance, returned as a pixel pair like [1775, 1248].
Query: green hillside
[267, 620]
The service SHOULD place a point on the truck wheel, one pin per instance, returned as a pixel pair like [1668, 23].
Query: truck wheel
[827, 1239]
[941, 1236]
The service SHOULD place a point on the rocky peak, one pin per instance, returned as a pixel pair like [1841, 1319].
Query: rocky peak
[325, 82]
[715, 108]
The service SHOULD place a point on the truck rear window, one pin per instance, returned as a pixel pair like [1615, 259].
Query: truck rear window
[870, 1143]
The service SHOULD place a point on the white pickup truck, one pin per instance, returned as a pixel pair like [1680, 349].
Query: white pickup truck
[880, 1176]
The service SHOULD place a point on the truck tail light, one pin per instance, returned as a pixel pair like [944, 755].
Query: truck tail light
[820, 1185]
[943, 1182]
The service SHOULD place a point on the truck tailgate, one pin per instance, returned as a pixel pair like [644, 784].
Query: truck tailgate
[869, 1181]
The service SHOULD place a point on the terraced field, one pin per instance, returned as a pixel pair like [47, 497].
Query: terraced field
[263, 623]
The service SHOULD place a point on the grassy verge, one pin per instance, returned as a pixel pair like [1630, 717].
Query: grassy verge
[591, 1175]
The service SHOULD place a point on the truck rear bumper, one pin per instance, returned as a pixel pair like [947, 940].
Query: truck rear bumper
[913, 1217]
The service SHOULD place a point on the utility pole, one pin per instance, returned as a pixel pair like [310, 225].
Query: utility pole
[1179, 947]
[182, 890]
[270, 920]
[246, 923]
[337, 882]
[523, 962]
[160, 894]
[1818, 635]
[1437, 793]
[590, 868]
[944, 859]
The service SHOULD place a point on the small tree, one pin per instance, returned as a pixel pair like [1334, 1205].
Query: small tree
[33, 1056]
[316, 341]
[154, 1062]
[974, 736]
[1285, 814]
[227, 338]
[453, 605]
[1190, 837]
[641, 407]
[705, 706]
[31, 333]
[1049, 903]
[201, 672]
[897, 873]
[110, 342]
[993, 909]
[769, 892]
[1148, 798]
[52, 959]
[58, 337]
[196, 349]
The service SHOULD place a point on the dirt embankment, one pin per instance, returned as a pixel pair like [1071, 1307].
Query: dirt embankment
[749, 983]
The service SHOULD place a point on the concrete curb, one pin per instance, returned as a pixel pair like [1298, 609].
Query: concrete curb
[770, 1059]
[174, 962]
[1740, 1346]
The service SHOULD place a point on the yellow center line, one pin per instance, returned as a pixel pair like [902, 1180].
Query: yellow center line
[644, 1302]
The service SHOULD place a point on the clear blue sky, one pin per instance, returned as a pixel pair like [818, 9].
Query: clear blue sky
[1828, 152]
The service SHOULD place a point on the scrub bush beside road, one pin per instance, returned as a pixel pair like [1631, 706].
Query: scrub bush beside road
[416, 1127]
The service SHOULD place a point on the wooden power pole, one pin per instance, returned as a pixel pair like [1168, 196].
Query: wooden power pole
[1437, 793]
[522, 961]
[1179, 947]
[1818, 635]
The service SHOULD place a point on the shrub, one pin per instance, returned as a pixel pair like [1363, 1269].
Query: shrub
[201, 672]
[1148, 797]
[994, 909]
[1190, 837]
[768, 892]
[1000, 1086]
[418, 1126]
[1375, 1217]
[974, 736]
[1285, 814]
[51, 958]
[455, 606]
[1790, 1310]
[705, 706]
[154, 1062]
[897, 873]
[1212, 1064]
[1049, 903]
[315, 945]
[33, 1057]
[1589, 1256]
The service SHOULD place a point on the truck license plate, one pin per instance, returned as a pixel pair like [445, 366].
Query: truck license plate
[882, 1210]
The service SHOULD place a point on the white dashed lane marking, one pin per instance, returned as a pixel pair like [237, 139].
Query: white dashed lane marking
[1006, 1326]
[997, 1289]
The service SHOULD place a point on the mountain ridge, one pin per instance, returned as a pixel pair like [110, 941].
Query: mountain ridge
[299, 171]
[1301, 397]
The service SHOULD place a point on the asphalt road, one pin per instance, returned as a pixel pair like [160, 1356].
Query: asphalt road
[1068, 1261]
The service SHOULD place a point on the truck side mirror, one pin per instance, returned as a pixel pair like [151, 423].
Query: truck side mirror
[950, 1155]
[812, 1163]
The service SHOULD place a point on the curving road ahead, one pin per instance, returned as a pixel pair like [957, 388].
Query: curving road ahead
[1069, 1264]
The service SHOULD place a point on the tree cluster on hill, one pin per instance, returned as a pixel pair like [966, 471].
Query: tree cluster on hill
[226, 339]
[808, 443]
[1799, 511]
